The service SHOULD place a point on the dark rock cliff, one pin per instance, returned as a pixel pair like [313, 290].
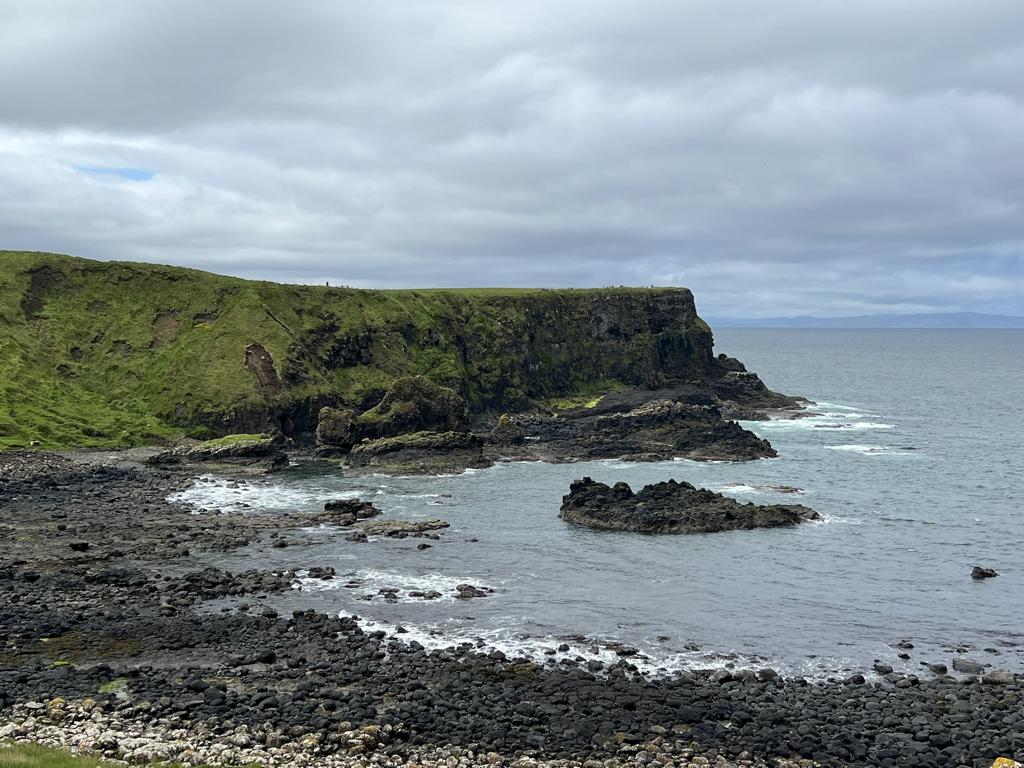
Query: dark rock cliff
[107, 353]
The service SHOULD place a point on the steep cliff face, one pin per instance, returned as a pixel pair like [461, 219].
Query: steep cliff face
[101, 353]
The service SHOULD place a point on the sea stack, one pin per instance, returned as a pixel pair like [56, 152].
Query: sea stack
[671, 507]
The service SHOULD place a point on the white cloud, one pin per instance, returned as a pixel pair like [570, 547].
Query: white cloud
[809, 157]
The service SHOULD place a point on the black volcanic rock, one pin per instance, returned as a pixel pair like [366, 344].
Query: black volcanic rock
[419, 453]
[653, 430]
[671, 507]
[346, 511]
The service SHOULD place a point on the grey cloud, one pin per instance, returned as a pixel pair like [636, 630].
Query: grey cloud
[804, 156]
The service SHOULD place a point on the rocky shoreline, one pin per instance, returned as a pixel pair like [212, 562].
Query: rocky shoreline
[422, 428]
[109, 648]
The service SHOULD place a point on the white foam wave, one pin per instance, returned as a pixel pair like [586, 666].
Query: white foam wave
[738, 488]
[765, 488]
[222, 494]
[824, 421]
[827, 519]
[370, 582]
[869, 449]
[547, 649]
[827, 406]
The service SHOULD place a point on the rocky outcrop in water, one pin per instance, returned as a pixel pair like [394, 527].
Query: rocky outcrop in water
[399, 529]
[742, 394]
[245, 454]
[419, 453]
[416, 426]
[671, 507]
[345, 512]
[655, 430]
[637, 425]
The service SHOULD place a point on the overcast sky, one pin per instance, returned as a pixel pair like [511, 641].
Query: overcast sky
[778, 158]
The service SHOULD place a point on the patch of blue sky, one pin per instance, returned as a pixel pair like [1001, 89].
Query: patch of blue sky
[132, 174]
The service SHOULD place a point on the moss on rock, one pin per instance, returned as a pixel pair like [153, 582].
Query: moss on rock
[414, 404]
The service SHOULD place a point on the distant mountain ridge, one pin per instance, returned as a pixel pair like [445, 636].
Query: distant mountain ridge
[925, 320]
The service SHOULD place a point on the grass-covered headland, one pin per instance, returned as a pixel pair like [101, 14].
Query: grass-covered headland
[115, 354]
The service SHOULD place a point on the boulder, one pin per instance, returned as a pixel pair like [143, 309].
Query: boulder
[999, 677]
[242, 452]
[671, 507]
[345, 512]
[334, 429]
[236, 447]
[414, 404]
[402, 528]
[967, 667]
[419, 453]
[978, 573]
[507, 432]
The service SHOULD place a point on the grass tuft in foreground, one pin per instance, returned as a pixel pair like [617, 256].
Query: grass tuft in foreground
[38, 756]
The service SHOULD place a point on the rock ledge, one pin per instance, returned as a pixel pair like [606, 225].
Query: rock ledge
[671, 507]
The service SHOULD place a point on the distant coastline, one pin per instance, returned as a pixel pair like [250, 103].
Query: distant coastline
[948, 320]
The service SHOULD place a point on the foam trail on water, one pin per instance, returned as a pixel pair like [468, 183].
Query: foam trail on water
[822, 422]
[210, 492]
[372, 581]
[650, 662]
[864, 449]
[760, 489]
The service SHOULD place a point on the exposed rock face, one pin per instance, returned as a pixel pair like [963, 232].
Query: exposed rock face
[335, 431]
[345, 512]
[506, 432]
[414, 404]
[305, 347]
[259, 360]
[742, 393]
[249, 454]
[671, 507]
[658, 430]
[419, 453]
[363, 354]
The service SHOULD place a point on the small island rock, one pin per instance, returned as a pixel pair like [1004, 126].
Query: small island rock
[671, 507]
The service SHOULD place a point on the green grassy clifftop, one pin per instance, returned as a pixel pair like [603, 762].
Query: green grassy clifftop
[112, 353]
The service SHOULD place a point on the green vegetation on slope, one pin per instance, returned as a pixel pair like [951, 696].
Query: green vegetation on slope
[114, 354]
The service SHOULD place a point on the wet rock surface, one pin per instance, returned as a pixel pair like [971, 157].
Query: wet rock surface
[654, 430]
[242, 454]
[412, 404]
[421, 428]
[114, 650]
[672, 507]
[419, 453]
